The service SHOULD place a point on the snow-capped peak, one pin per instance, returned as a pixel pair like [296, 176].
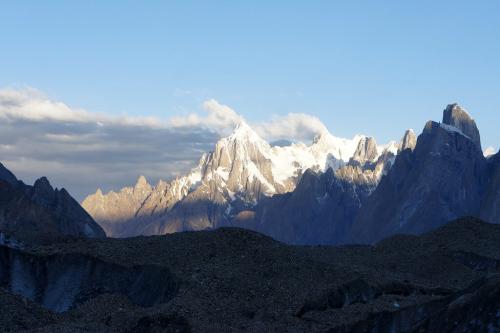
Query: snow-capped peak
[340, 148]
[243, 132]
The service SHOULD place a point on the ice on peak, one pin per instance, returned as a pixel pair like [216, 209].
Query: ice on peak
[339, 148]
[392, 147]
[452, 129]
[243, 132]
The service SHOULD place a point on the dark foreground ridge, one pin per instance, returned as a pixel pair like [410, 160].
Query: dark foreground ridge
[237, 280]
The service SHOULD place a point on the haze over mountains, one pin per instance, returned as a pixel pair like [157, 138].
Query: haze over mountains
[332, 191]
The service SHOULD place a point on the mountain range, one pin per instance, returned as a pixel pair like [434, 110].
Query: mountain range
[40, 214]
[60, 273]
[332, 191]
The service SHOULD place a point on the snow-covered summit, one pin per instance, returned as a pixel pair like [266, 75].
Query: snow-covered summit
[241, 169]
[243, 132]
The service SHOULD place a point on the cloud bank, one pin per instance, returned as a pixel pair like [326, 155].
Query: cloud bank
[82, 150]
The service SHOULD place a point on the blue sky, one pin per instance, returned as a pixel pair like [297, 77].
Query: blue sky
[372, 67]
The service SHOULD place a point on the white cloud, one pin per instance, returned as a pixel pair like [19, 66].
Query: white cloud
[489, 151]
[294, 126]
[220, 118]
[83, 150]
[31, 104]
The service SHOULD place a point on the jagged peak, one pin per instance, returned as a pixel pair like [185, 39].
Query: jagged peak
[409, 140]
[455, 108]
[6, 175]
[43, 184]
[410, 131]
[456, 116]
[243, 131]
[141, 182]
[366, 150]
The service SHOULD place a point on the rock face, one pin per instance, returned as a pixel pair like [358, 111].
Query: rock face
[241, 171]
[237, 280]
[409, 140]
[457, 117]
[39, 213]
[109, 210]
[442, 179]
[490, 206]
[7, 176]
[322, 207]
[366, 150]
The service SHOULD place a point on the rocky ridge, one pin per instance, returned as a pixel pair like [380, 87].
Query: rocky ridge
[443, 178]
[323, 205]
[242, 170]
[40, 213]
[333, 191]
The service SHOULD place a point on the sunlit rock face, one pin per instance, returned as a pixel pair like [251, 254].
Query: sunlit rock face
[457, 117]
[242, 170]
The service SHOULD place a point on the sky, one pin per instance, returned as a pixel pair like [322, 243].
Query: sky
[144, 68]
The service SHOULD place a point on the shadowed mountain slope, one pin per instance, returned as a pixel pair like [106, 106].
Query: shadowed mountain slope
[40, 213]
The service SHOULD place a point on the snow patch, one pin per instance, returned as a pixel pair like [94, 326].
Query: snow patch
[453, 129]
[490, 151]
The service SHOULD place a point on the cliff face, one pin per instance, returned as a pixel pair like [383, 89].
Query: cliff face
[490, 206]
[445, 177]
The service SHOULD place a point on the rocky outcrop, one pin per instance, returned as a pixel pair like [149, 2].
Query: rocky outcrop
[442, 179]
[113, 209]
[409, 140]
[457, 117]
[366, 150]
[40, 213]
